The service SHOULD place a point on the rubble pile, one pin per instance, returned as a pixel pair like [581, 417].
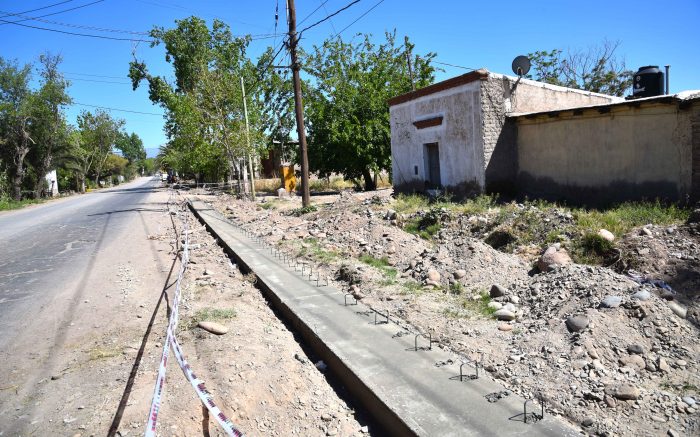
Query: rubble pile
[616, 355]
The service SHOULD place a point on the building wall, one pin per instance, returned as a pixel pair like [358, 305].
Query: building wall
[459, 140]
[695, 126]
[503, 95]
[598, 157]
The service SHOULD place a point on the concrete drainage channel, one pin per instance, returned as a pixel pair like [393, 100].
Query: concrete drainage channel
[406, 384]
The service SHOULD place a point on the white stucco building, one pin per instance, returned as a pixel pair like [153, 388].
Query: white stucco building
[454, 135]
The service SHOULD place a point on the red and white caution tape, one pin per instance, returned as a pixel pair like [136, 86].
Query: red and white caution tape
[171, 340]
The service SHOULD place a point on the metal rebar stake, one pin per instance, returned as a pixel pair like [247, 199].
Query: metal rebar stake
[541, 416]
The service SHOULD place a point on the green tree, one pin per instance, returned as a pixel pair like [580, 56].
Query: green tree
[16, 106]
[347, 110]
[597, 69]
[98, 134]
[204, 106]
[50, 127]
[131, 146]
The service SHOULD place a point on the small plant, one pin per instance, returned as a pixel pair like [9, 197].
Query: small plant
[456, 288]
[6, 203]
[411, 287]
[479, 306]
[314, 250]
[268, 205]
[382, 264]
[410, 203]
[100, 353]
[211, 314]
[428, 224]
[298, 212]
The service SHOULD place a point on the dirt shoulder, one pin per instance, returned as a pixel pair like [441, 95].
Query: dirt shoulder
[86, 364]
[614, 356]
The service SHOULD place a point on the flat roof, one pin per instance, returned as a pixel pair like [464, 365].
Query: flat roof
[684, 96]
[440, 86]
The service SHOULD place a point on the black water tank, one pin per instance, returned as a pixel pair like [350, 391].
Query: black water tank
[648, 82]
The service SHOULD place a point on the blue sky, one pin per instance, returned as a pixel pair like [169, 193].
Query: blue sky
[471, 34]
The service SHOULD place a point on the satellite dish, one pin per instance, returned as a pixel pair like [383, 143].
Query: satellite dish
[521, 65]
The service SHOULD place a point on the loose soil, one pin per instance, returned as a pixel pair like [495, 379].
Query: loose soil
[633, 369]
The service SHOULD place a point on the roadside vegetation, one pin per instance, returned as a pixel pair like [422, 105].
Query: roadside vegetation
[513, 226]
[36, 138]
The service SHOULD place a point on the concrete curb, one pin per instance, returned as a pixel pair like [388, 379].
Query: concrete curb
[404, 390]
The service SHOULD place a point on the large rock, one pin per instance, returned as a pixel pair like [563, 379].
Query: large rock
[552, 258]
[577, 323]
[642, 295]
[433, 275]
[504, 314]
[634, 361]
[606, 235]
[497, 290]
[213, 327]
[611, 302]
[626, 392]
[459, 274]
[678, 309]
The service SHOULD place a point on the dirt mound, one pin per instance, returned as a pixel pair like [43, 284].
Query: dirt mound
[596, 344]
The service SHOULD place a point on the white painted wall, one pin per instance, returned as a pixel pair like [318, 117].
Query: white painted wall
[52, 183]
[459, 137]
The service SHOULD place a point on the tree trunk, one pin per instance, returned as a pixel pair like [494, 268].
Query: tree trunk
[17, 183]
[370, 185]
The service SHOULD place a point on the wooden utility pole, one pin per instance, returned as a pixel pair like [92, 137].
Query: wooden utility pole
[247, 138]
[299, 109]
[408, 60]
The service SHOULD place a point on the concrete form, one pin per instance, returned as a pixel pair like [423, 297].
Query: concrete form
[454, 134]
[404, 389]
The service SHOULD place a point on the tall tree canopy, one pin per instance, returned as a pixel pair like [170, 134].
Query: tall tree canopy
[346, 103]
[204, 106]
[597, 69]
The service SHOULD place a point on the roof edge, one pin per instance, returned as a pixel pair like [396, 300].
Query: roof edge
[682, 97]
[464, 79]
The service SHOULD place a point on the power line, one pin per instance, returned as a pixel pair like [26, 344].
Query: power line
[453, 65]
[97, 80]
[53, 13]
[331, 21]
[115, 109]
[79, 26]
[359, 18]
[313, 12]
[94, 75]
[38, 9]
[73, 33]
[334, 14]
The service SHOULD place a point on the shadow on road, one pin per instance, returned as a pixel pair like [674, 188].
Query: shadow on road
[118, 211]
[114, 427]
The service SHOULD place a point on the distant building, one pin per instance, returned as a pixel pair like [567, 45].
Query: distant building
[51, 183]
[488, 132]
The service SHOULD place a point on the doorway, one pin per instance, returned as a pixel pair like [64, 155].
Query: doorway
[432, 165]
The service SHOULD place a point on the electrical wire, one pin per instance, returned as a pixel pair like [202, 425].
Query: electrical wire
[72, 33]
[78, 26]
[97, 80]
[328, 17]
[39, 9]
[115, 109]
[313, 12]
[331, 21]
[453, 65]
[359, 18]
[93, 75]
[53, 13]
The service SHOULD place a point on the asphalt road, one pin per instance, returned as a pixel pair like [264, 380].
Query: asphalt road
[51, 246]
